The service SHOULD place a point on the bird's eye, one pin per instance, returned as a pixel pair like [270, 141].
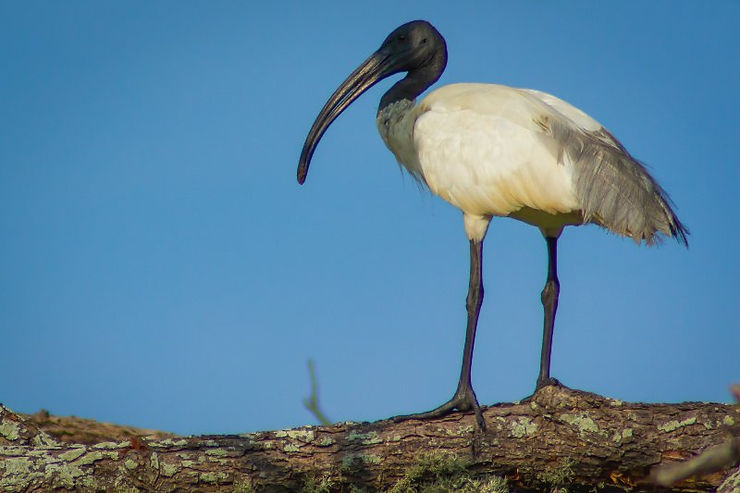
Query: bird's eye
[424, 40]
[402, 38]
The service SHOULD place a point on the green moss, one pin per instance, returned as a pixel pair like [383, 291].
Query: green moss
[243, 485]
[92, 457]
[10, 430]
[438, 473]
[522, 427]
[66, 470]
[169, 470]
[213, 477]
[43, 440]
[370, 438]
[62, 474]
[731, 483]
[558, 476]
[461, 430]
[352, 462]
[623, 435]
[303, 435]
[318, 485]
[168, 442]
[111, 445]
[19, 465]
[326, 441]
[121, 489]
[674, 424]
[73, 454]
[582, 421]
[217, 452]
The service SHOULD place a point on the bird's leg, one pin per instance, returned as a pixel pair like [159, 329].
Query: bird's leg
[550, 304]
[464, 398]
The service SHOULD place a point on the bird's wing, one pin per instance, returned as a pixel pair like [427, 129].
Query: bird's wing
[614, 189]
[581, 119]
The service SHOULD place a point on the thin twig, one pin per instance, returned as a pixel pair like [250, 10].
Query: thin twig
[312, 402]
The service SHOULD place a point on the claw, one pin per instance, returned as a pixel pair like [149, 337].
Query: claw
[546, 382]
[541, 384]
[463, 401]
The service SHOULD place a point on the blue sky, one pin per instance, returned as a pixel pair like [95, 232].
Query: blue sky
[162, 268]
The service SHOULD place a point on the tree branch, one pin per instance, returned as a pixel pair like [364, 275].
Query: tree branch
[561, 438]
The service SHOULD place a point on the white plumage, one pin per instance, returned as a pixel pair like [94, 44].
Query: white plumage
[492, 150]
[478, 147]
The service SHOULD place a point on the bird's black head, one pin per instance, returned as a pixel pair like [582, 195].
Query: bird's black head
[415, 47]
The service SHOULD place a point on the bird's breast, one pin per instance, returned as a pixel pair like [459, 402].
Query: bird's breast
[396, 127]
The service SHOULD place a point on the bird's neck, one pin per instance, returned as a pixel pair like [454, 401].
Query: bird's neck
[407, 88]
[415, 82]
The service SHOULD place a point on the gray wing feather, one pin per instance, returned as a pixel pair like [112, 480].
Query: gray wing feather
[614, 189]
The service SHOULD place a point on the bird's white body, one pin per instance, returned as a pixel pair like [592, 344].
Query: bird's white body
[487, 149]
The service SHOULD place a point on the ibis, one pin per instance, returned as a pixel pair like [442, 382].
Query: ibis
[493, 150]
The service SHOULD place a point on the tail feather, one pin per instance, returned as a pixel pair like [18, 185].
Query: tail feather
[614, 189]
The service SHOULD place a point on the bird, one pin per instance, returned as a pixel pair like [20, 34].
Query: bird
[497, 151]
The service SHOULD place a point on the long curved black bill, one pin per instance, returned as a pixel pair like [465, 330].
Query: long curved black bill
[372, 70]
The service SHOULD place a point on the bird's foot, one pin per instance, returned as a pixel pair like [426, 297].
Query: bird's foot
[464, 401]
[546, 382]
[541, 384]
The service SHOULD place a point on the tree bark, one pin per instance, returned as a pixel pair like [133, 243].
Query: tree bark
[562, 438]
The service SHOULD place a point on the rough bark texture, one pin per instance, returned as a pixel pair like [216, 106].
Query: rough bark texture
[562, 438]
[71, 429]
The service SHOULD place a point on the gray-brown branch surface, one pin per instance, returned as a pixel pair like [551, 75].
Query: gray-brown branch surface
[562, 438]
